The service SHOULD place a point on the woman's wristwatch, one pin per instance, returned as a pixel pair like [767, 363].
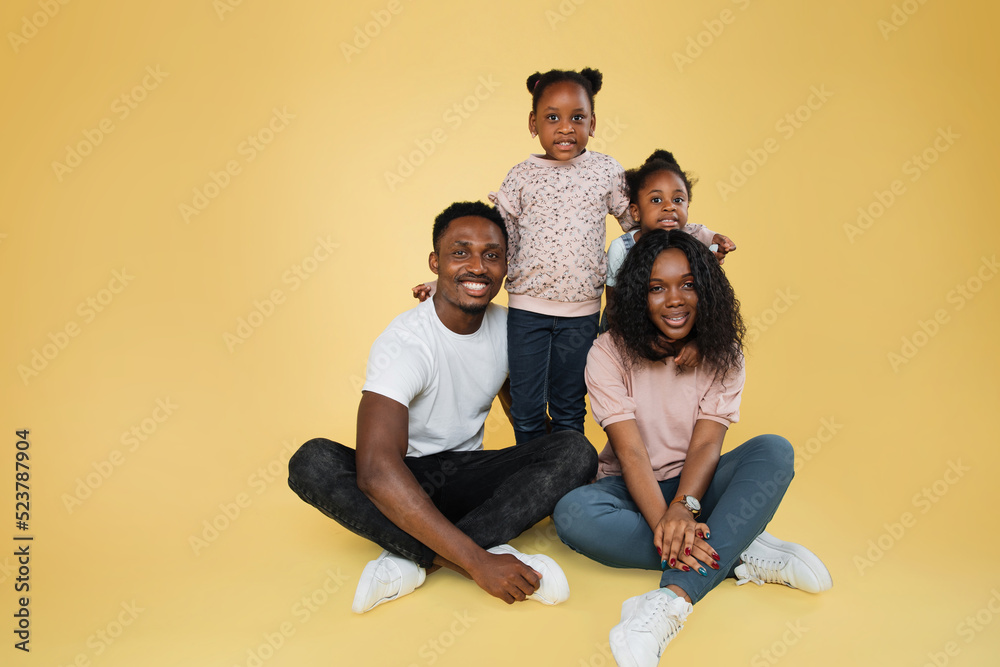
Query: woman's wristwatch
[690, 502]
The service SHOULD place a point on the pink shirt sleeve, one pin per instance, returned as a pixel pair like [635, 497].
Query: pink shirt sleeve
[700, 232]
[609, 386]
[722, 401]
[618, 201]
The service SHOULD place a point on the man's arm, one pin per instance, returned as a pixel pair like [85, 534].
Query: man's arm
[385, 479]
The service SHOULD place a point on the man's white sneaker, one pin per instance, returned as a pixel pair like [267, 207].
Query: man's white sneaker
[769, 560]
[554, 587]
[648, 624]
[384, 579]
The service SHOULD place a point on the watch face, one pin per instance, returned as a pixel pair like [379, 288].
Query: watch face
[692, 502]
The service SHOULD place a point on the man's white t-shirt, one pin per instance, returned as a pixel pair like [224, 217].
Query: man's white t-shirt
[447, 380]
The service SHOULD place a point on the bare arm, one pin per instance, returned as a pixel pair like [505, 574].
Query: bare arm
[385, 479]
[504, 396]
[678, 530]
[674, 528]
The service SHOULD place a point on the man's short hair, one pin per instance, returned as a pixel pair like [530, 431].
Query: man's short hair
[466, 208]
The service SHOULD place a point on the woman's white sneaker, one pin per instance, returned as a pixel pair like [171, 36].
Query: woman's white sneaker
[647, 625]
[769, 560]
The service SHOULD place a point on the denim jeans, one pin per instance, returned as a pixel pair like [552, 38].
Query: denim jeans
[547, 355]
[490, 495]
[602, 521]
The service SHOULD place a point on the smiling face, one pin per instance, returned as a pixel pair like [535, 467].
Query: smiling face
[470, 262]
[563, 120]
[662, 202]
[672, 300]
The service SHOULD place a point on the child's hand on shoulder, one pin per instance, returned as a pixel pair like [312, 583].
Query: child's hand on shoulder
[689, 356]
[423, 291]
[725, 246]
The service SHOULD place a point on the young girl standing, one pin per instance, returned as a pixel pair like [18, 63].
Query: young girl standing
[554, 205]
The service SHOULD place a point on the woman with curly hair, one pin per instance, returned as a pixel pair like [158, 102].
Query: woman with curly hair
[666, 498]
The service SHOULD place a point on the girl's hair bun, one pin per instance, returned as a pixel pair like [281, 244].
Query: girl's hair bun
[533, 81]
[661, 155]
[589, 79]
[594, 77]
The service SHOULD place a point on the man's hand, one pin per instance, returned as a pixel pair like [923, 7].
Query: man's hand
[505, 577]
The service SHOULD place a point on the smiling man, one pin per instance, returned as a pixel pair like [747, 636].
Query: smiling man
[420, 484]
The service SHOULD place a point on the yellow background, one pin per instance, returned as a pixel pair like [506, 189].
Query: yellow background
[872, 431]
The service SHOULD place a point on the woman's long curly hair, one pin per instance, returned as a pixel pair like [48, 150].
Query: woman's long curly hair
[718, 327]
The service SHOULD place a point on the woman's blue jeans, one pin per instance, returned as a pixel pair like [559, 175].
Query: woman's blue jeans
[602, 522]
[547, 355]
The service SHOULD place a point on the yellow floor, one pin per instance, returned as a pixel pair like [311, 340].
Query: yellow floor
[210, 210]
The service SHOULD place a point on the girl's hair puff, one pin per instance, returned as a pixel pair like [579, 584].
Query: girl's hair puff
[718, 328]
[660, 160]
[589, 79]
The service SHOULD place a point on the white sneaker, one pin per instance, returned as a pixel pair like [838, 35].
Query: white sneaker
[554, 587]
[648, 624]
[384, 579]
[769, 560]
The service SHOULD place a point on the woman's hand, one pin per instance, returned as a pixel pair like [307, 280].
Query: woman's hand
[680, 540]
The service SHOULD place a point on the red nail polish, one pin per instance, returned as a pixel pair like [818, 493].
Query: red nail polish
[687, 551]
[685, 568]
[672, 561]
[658, 551]
[714, 566]
[715, 555]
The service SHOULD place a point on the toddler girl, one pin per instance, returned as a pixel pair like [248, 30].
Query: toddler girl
[554, 205]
